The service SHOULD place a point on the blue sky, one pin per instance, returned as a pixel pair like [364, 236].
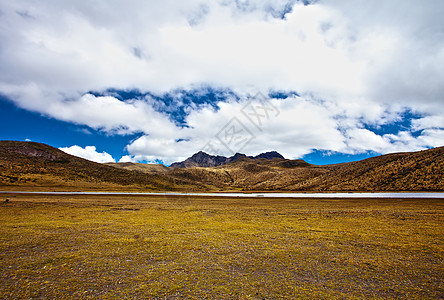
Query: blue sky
[19, 124]
[326, 81]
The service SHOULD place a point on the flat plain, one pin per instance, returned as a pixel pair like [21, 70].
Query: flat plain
[187, 247]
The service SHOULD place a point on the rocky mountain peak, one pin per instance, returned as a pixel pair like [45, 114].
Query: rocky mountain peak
[202, 159]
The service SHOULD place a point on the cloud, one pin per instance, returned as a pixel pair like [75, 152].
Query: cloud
[102, 113]
[402, 46]
[89, 153]
[127, 158]
[300, 125]
[435, 122]
[355, 64]
[235, 45]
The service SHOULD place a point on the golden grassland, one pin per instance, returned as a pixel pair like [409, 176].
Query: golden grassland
[178, 247]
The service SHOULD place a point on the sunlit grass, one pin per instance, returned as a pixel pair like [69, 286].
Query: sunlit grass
[181, 247]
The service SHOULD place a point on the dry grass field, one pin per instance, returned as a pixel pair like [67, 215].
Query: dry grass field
[177, 247]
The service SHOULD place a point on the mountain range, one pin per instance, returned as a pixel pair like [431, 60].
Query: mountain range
[202, 159]
[35, 166]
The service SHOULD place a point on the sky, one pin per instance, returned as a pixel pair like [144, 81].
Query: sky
[157, 81]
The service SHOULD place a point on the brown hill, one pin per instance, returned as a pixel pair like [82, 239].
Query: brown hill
[254, 174]
[144, 168]
[410, 171]
[28, 164]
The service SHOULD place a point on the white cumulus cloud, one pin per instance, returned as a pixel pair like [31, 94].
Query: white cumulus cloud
[127, 158]
[89, 153]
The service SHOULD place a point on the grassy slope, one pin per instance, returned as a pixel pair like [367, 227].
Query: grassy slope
[145, 168]
[247, 174]
[24, 164]
[110, 247]
[410, 171]
[415, 171]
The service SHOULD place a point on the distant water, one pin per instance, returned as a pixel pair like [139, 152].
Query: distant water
[259, 195]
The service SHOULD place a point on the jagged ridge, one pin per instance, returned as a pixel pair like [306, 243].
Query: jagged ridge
[202, 159]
